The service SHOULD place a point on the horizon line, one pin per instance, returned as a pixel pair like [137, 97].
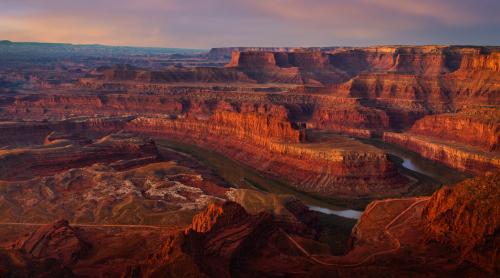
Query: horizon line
[242, 46]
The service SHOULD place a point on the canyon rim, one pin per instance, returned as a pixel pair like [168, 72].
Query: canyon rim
[266, 160]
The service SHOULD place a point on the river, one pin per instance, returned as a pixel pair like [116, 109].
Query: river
[429, 174]
[414, 162]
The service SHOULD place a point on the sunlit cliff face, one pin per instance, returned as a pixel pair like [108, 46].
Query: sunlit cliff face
[201, 24]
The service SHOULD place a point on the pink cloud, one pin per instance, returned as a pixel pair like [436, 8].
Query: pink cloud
[205, 23]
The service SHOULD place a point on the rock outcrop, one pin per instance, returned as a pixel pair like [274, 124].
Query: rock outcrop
[342, 114]
[458, 156]
[57, 241]
[173, 74]
[322, 168]
[29, 133]
[259, 133]
[466, 217]
[408, 236]
[363, 92]
[405, 82]
[227, 52]
[224, 241]
[467, 140]
[72, 146]
[134, 191]
[63, 154]
[217, 214]
[476, 127]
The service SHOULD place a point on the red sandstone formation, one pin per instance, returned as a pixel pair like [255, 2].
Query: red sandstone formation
[390, 237]
[260, 134]
[438, 101]
[461, 157]
[134, 191]
[308, 60]
[322, 111]
[467, 218]
[20, 133]
[173, 74]
[226, 52]
[467, 140]
[56, 241]
[114, 250]
[59, 155]
[60, 106]
[322, 168]
[347, 116]
[249, 60]
[300, 67]
[225, 241]
[407, 83]
[205, 221]
[443, 234]
[259, 123]
[476, 127]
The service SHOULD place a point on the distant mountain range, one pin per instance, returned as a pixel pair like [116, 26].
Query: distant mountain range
[56, 49]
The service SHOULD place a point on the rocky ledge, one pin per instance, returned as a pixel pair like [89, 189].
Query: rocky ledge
[459, 156]
[58, 241]
[466, 217]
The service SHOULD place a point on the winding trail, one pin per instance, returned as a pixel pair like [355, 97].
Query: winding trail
[386, 231]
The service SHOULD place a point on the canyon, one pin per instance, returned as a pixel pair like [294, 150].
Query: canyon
[226, 240]
[386, 230]
[223, 163]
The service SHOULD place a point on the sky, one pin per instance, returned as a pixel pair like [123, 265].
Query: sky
[218, 23]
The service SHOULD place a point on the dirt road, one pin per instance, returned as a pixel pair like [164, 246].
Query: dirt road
[387, 227]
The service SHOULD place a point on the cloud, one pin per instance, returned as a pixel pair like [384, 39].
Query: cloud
[450, 12]
[207, 23]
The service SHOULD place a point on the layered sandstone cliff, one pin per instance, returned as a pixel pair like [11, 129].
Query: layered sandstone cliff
[18, 134]
[399, 237]
[173, 74]
[407, 82]
[327, 169]
[225, 241]
[265, 131]
[452, 233]
[362, 92]
[349, 117]
[261, 124]
[462, 157]
[343, 114]
[476, 127]
[62, 105]
[63, 154]
[114, 180]
[467, 140]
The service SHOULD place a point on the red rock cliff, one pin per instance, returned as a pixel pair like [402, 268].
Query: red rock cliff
[461, 157]
[477, 127]
[467, 218]
[57, 241]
